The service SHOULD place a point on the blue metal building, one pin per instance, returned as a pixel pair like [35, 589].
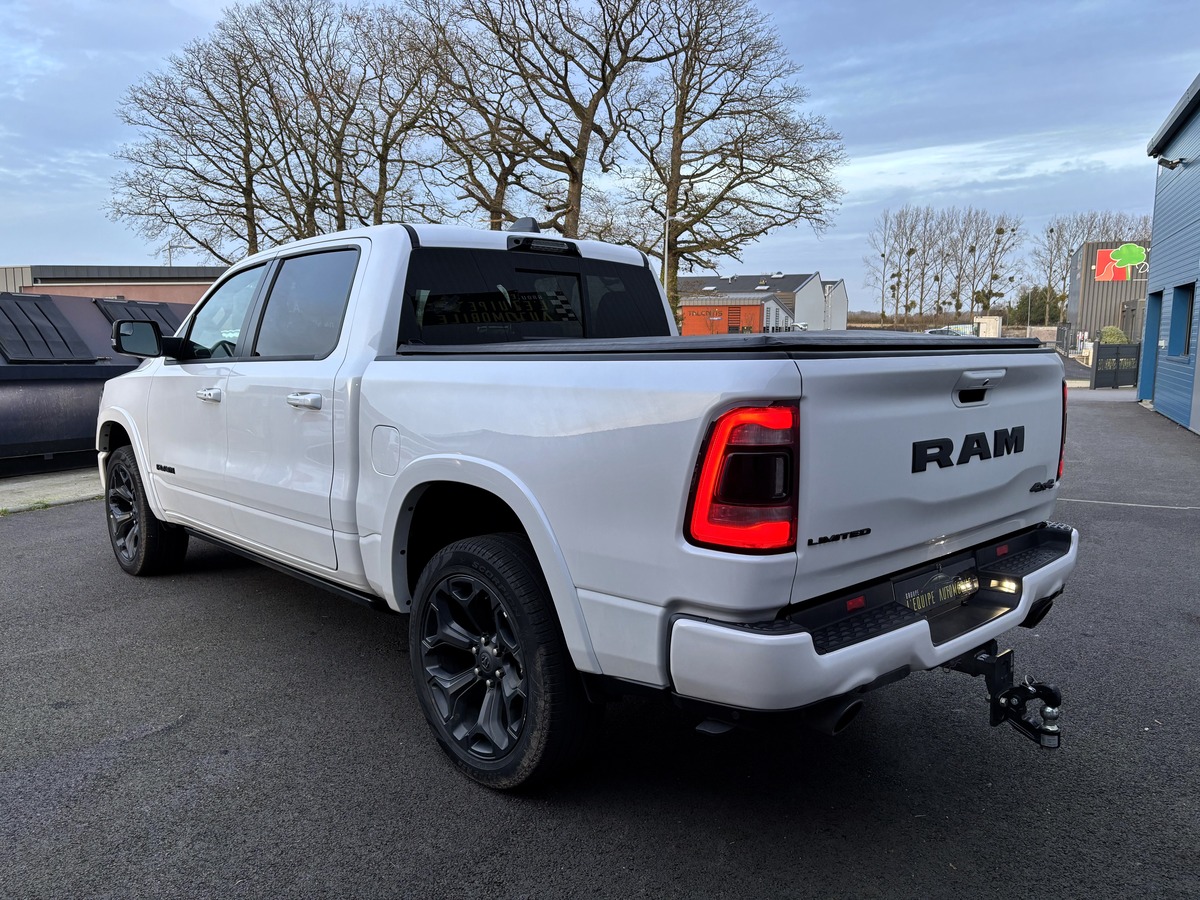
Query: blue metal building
[1170, 343]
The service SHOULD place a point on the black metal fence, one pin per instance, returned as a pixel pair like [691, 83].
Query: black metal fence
[1116, 365]
[1063, 341]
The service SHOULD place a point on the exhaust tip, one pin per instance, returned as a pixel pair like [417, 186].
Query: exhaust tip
[848, 715]
[834, 715]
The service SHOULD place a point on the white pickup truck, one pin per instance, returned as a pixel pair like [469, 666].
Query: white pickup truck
[502, 435]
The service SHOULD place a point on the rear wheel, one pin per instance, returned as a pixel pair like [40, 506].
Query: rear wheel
[143, 544]
[492, 672]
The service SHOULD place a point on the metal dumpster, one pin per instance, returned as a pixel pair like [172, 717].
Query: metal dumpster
[55, 355]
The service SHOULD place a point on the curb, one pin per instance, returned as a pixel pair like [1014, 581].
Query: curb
[6, 511]
[30, 492]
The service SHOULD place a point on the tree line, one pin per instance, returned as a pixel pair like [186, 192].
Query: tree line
[674, 125]
[925, 262]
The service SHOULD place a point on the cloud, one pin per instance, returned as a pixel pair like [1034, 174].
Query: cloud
[23, 57]
[64, 171]
[204, 10]
[959, 169]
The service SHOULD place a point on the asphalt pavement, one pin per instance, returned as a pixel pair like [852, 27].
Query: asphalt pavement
[231, 732]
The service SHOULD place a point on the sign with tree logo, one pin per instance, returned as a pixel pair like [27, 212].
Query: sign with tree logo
[1121, 263]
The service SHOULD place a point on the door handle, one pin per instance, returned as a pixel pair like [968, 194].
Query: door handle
[210, 395]
[304, 400]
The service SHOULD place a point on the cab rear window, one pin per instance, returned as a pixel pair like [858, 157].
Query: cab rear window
[462, 296]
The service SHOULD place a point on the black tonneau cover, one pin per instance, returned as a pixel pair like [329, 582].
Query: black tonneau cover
[783, 344]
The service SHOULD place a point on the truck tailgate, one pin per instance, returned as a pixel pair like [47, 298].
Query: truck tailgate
[911, 458]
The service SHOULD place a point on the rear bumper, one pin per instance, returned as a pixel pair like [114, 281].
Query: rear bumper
[779, 666]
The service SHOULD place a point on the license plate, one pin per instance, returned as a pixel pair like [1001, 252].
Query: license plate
[938, 591]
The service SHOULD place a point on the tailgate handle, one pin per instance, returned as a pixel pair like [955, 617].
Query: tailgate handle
[972, 386]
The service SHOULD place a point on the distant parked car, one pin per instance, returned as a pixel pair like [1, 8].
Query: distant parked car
[956, 330]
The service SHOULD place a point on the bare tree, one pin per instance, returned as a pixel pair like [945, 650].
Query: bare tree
[970, 258]
[881, 261]
[395, 49]
[195, 176]
[482, 121]
[924, 263]
[929, 260]
[1050, 261]
[573, 65]
[897, 251]
[1002, 262]
[301, 50]
[295, 117]
[726, 154]
[944, 225]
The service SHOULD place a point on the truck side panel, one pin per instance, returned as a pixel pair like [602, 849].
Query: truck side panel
[608, 449]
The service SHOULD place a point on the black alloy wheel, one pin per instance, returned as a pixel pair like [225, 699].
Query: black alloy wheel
[475, 666]
[492, 671]
[124, 519]
[142, 543]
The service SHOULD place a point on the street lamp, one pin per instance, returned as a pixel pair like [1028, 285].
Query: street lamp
[170, 248]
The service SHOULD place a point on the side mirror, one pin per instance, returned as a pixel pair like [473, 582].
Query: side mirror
[137, 337]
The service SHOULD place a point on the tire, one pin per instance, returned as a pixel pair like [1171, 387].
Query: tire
[492, 672]
[143, 544]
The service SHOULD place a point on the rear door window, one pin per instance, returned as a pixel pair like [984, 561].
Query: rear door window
[304, 310]
[461, 296]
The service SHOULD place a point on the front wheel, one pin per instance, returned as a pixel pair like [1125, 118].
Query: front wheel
[143, 544]
[492, 672]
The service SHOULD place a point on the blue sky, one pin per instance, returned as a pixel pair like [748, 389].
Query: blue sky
[1032, 108]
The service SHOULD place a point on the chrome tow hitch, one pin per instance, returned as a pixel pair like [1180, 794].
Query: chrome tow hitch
[1009, 702]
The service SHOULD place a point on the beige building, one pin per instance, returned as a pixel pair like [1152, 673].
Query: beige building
[163, 284]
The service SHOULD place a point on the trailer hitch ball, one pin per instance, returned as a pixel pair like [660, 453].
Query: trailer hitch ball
[1048, 733]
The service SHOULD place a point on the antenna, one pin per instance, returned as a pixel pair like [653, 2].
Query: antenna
[528, 223]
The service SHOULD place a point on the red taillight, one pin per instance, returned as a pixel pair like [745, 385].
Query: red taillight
[745, 496]
[1062, 450]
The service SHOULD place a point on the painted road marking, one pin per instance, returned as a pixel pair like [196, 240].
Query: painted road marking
[1115, 503]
